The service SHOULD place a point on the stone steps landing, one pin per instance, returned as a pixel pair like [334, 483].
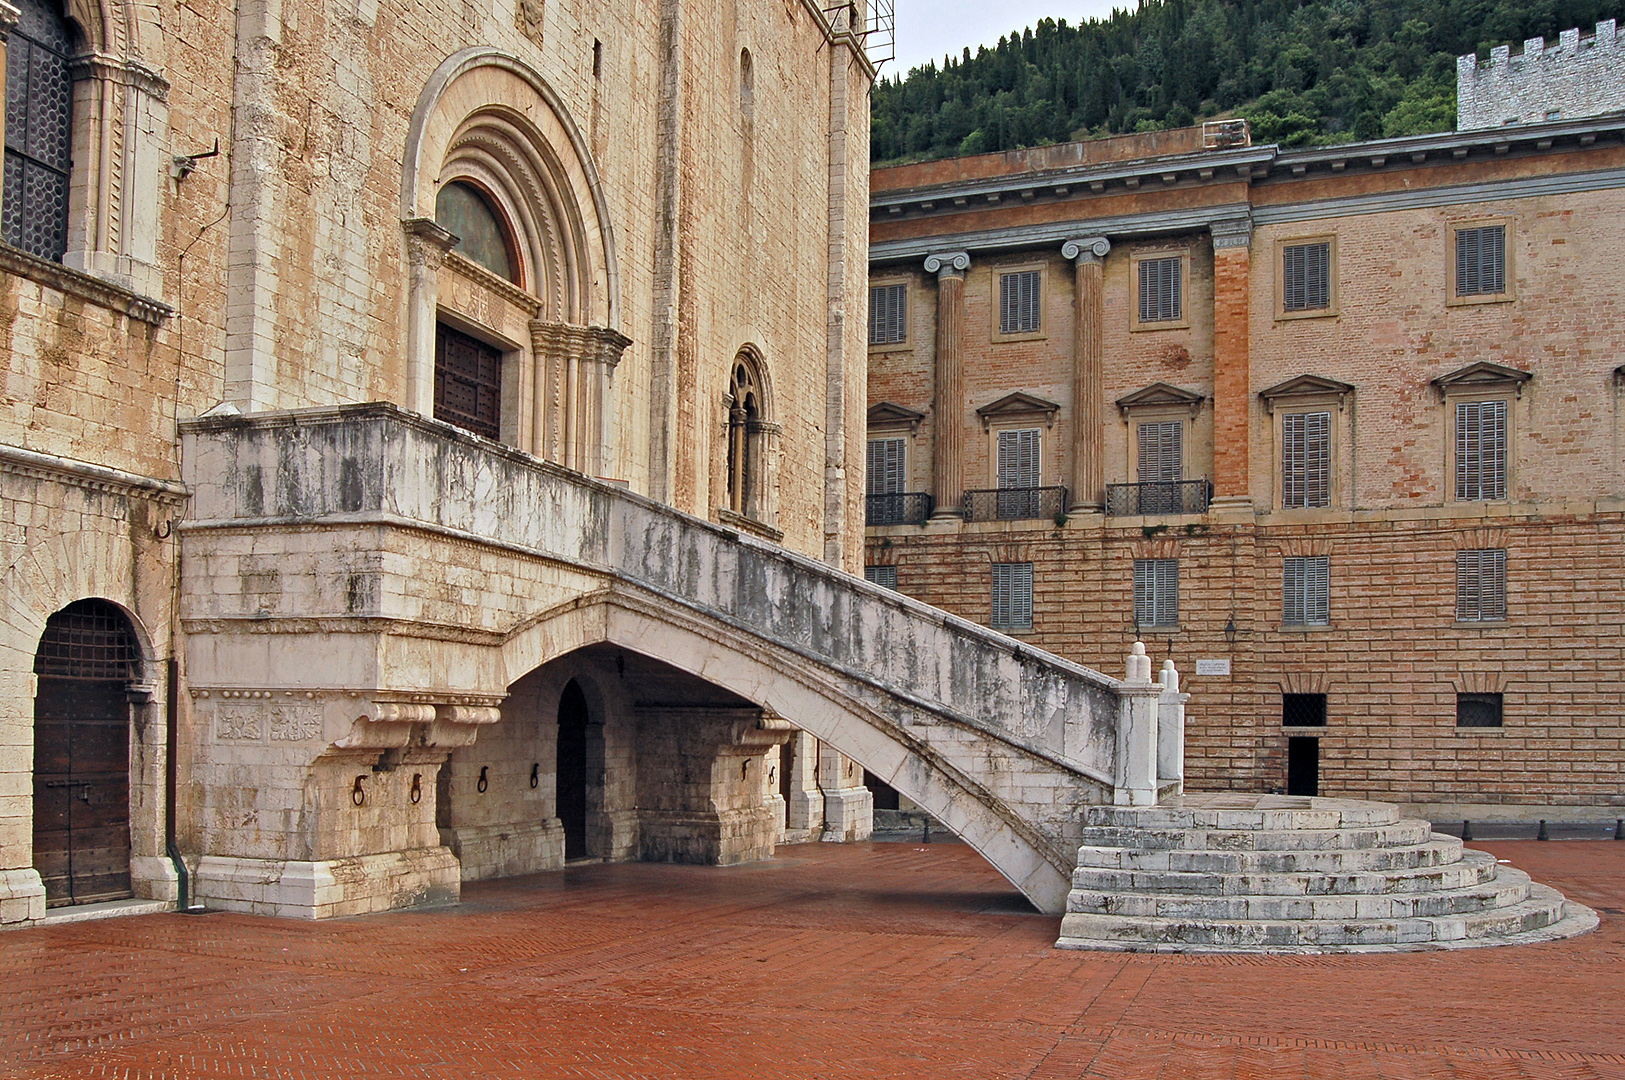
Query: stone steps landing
[1273, 873]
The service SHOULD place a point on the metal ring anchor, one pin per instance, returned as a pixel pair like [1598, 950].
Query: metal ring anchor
[358, 796]
[535, 773]
[417, 788]
[484, 782]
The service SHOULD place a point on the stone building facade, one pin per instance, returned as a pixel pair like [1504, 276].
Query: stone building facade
[619, 241]
[1578, 76]
[1338, 430]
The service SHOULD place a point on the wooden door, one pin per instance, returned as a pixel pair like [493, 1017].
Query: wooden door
[82, 790]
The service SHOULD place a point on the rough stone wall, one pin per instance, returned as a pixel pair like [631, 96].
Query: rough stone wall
[1577, 77]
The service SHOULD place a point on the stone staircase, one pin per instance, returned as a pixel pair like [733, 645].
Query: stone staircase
[1279, 873]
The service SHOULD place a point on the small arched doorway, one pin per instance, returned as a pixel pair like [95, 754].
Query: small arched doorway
[572, 769]
[87, 659]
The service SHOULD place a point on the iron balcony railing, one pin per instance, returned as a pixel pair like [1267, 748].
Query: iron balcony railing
[897, 508]
[1015, 504]
[1159, 497]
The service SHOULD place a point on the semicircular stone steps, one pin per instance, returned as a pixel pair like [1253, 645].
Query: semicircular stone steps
[1280, 873]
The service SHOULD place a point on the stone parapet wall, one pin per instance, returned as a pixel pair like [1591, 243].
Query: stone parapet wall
[1576, 77]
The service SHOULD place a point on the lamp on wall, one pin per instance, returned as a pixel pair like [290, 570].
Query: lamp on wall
[1230, 630]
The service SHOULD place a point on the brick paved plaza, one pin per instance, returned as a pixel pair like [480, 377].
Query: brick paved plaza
[871, 960]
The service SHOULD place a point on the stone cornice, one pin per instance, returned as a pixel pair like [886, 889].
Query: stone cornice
[485, 279]
[1233, 232]
[1017, 237]
[85, 286]
[1160, 395]
[113, 69]
[1018, 404]
[15, 459]
[1482, 376]
[1305, 386]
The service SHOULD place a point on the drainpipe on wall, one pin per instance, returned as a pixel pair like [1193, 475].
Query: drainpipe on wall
[183, 899]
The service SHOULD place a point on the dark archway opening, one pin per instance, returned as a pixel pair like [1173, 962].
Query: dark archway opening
[87, 658]
[572, 769]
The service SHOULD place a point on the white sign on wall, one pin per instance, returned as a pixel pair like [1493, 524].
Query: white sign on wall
[1213, 667]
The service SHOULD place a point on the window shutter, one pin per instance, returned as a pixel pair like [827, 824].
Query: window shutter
[898, 305]
[1306, 591]
[1481, 585]
[1160, 298]
[1012, 600]
[1019, 458]
[1162, 454]
[1481, 260]
[1306, 473]
[1306, 277]
[881, 575]
[1019, 302]
[885, 467]
[1156, 592]
[888, 314]
[1481, 450]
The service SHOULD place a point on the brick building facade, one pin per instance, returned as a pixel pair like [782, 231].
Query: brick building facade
[1337, 429]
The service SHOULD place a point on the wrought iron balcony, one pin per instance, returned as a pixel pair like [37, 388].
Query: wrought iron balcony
[1015, 504]
[898, 508]
[1159, 497]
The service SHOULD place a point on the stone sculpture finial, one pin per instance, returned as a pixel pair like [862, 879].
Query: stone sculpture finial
[1170, 676]
[1139, 664]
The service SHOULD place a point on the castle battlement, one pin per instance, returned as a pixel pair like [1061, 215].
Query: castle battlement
[1578, 76]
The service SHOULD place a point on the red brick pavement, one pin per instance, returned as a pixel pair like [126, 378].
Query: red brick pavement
[870, 960]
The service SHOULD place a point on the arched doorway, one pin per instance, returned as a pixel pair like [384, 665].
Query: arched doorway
[87, 658]
[572, 769]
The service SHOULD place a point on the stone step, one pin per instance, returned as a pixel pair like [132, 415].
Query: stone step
[1396, 834]
[1252, 812]
[1475, 868]
[1089, 930]
[1440, 850]
[1508, 889]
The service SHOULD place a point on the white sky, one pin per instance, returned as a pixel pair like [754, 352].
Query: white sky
[930, 29]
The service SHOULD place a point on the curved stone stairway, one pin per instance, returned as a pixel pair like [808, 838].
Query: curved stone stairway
[1279, 873]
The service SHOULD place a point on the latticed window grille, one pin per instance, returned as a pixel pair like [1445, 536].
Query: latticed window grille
[1306, 277]
[39, 140]
[467, 382]
[1019, 296]
[1481, 585]
[1160, 299]
[1481, 260]
[1479, 710]
[1156, 592]
[1303, 710]
[881, 575]
[1012, 596]
[1306, 460]
[885, 474]
[888, 314]
[1162, 452]
[1481, 450]
[88, 639]
[1306, 591]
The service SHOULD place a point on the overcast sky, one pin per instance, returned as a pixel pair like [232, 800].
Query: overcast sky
[931, 29]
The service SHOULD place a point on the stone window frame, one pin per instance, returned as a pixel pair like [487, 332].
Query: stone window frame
[1183, 322]
[1509, 269]
[1016, 412]
[995, 293]
[1331, 310]
[1300, 396]
[754, 437]
[1479, 383]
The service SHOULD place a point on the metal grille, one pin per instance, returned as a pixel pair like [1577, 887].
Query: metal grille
[39, 116]
[1156, 592]
[1306, 280]
[1303, 710]
[1481, 260]
[89, 640]
[1162, 497]
[1306, 453]
[1012, 596]
[1478, 710]
[897, 508]
[885, 466]
[1481, 450]
[881, 575]
[1019, 295]
[1159, 289]
[1014, 504]
[467, 382]
[888, 314]
[1481, 585]
[1306, 591]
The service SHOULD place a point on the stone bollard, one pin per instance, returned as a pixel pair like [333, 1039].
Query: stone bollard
[1171, 730]
[1135, 765]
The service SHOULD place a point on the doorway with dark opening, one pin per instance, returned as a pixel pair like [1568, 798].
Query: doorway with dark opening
[1302, 765]
[572, 769]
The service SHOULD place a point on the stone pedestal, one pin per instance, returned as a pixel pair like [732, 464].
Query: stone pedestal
[804, 814]
[849, 807]
[1135, 779]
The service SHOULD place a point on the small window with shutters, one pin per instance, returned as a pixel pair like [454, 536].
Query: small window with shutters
[1019, 462]
[1012, 596]
[1156, 593]
[1481, 451]
[1306, 591]
[1161, 282]
[1481, 585]
[1161, 452]
[1306, 457]
[881, 575]
[1306, 285]
[1480, 254]
[888, 314]
[1020, 302]
[885, 467]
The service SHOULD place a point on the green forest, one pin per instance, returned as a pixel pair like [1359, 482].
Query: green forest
[1304, 72]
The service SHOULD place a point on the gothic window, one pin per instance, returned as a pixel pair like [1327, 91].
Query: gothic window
[464, 210]
[747, 427]
[39, 114]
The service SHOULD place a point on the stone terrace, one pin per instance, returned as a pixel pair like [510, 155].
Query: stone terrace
[883, 960]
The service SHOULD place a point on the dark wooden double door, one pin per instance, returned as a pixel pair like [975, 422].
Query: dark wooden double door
[82, 790]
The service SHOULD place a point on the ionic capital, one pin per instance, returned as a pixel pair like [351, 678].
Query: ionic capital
[947, 263]
[1085, 251]
[1232, 232]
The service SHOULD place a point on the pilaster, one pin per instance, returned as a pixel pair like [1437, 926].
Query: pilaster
[948, 401]
[427, 244]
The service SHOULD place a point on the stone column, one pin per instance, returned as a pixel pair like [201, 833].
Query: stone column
[1171, 730]
[804, 816]
[1134, 779]
[1232, 381]
[849, 807]
[948, 401]
[597, 370]
[426, 246]
[1088, 257]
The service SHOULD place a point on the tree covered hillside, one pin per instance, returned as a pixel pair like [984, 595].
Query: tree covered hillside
[1303, 71]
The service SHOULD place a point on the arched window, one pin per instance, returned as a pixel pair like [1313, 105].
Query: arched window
[39, 117]
[464, 210]
[747, 430]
